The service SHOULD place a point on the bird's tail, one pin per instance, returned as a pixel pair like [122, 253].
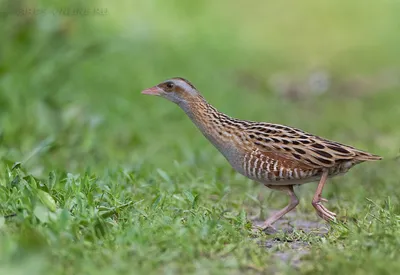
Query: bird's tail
[365, 156]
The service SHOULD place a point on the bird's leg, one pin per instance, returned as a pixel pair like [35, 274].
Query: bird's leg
[294, 201]
[317, 200]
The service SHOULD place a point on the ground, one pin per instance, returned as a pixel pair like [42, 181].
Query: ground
[96, 178]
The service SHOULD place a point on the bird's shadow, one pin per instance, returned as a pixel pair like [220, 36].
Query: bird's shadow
[290, 239]
[292, 222]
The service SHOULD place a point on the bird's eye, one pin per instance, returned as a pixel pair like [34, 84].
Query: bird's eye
[170, 85]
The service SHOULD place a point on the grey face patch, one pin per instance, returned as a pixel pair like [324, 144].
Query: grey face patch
[186, 81]
[181, 86]
[178, 90]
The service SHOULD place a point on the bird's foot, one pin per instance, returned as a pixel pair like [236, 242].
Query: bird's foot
[265, 228]
[322, 211]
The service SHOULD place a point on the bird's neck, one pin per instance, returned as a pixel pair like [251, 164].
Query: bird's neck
[203, 115]
[221, 130]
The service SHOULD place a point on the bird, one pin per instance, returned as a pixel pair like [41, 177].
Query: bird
[277, 156]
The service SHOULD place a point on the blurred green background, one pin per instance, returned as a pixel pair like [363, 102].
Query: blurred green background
[75, 131]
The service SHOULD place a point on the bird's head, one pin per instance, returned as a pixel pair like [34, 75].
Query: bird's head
[178, 90]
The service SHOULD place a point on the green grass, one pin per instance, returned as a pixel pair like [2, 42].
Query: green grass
[97, 179]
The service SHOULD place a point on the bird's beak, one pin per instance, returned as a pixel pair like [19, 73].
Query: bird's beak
[152, 91]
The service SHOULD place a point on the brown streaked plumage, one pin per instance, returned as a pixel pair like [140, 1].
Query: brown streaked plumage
[275, 155]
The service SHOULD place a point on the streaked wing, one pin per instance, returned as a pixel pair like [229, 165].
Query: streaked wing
[301, 148]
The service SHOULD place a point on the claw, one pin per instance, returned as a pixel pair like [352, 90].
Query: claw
[327, 211]
[323, 212]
